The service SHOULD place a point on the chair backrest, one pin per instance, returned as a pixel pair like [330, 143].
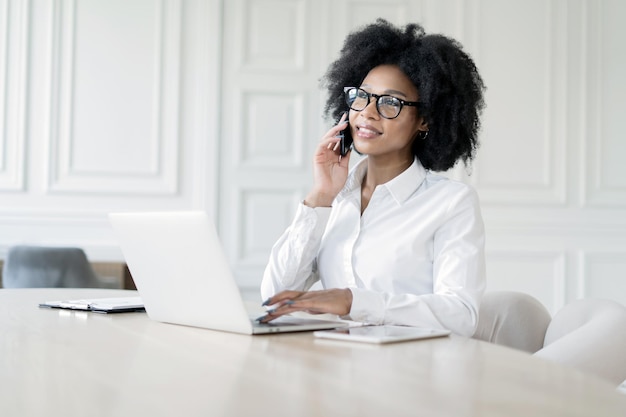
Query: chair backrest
[45, 267]
[512, 319]
[589, 334]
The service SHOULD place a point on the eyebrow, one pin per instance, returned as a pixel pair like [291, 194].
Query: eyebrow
[400, 93]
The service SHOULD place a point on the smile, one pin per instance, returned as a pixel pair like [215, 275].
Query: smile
[367, 132]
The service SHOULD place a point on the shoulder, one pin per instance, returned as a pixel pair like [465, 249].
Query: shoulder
[454, 192]
[442, 183]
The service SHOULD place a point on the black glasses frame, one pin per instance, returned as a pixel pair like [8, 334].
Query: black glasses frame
[377, 97]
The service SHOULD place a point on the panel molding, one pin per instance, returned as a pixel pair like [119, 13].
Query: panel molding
[616, 259]
[260, 207]
[254, 60]
[595, 189]
[162, 176]
[515, 260]
[204, 67]
[258, 119]
[552, 187]
[396, 11]
[261, 215]
[14, 40]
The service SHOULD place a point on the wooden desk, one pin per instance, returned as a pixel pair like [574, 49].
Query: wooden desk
[63, 363]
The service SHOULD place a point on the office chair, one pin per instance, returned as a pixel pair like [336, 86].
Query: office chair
[47, 267]
[512, 319]
[587, 334]
[590, 335]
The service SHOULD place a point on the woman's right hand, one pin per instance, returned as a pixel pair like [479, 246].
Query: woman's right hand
[330, 169]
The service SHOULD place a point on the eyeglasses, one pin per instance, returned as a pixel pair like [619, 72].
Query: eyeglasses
[388, 106]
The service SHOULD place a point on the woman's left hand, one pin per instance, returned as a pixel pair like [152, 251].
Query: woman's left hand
[334, 301]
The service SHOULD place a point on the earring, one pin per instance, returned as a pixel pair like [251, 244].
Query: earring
[422, 135]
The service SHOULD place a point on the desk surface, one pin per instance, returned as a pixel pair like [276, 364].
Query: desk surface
[63, 363]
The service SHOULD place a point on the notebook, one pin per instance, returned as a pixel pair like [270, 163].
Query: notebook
[183, 276]
[99, 305]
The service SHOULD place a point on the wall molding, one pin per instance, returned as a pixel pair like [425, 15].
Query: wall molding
[601, 283]
[252, 59]
[551, 187]
[596, 189]
[262, 111]
[553, 294]
[161, 178]
[14, 41]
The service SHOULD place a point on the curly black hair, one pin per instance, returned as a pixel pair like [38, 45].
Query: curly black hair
[447, 80]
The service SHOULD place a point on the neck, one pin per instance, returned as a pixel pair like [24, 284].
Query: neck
[380, 173]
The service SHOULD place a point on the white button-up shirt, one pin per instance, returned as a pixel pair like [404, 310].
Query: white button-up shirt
[414, 257]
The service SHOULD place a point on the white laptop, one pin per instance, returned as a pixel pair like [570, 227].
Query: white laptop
[183, 277]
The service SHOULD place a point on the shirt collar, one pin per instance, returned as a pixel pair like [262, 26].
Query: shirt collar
[400, 187]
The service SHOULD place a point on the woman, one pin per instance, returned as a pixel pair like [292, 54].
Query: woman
[391, 242]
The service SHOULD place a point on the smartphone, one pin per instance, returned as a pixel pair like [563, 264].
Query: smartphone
[346, 140]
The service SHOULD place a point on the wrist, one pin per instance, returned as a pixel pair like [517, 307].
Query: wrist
[346, 294]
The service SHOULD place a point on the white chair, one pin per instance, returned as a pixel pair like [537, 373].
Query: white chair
[587, 334]
[512, 319]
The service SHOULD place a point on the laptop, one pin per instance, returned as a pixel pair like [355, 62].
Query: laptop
[183, 276]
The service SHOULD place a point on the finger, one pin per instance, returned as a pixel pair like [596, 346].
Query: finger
[344, 161]
[273, 314]
[331, 143]
[343, 119]
[291, 306]
[282, 296]
[341, 125]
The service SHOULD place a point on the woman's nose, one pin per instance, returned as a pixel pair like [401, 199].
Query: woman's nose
[370, 111]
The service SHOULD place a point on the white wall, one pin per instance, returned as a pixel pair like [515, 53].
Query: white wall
[107, 105]
[191, 104]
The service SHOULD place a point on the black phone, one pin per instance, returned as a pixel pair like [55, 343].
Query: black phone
[346, 140]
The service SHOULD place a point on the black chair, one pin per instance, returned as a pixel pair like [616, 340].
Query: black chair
[50, 267]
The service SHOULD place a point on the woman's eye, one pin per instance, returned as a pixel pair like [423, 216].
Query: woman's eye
[390, 101]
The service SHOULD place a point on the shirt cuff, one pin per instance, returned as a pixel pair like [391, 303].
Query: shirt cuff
[367, 306]
[319, 215]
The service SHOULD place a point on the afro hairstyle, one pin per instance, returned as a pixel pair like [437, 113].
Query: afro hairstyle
[449, 87]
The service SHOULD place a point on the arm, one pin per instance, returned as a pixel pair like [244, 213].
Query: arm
[292, 259]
